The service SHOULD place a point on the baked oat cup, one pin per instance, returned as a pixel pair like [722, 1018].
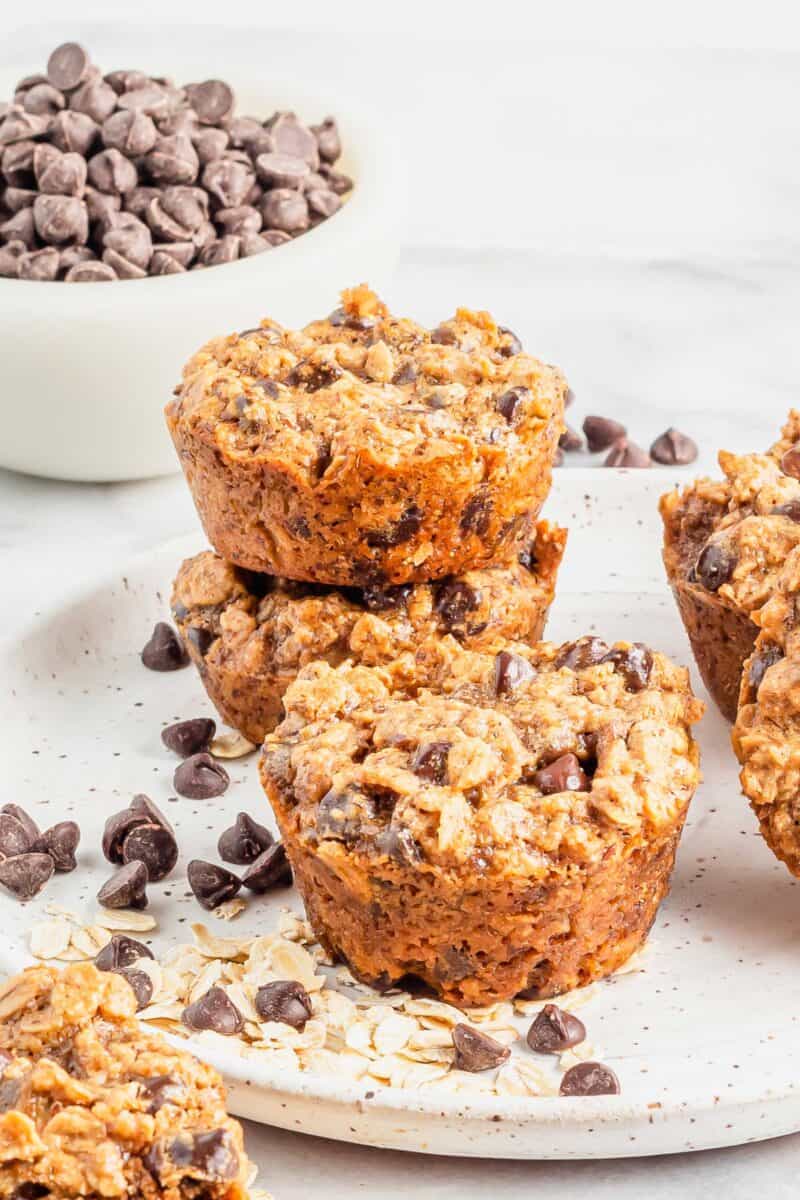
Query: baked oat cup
[249, 635]
[725, 542]
[489, 824]
[93, 1105]
[766, 735]
[365, 450]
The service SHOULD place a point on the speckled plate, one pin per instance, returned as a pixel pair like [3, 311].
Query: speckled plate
[704, 1037]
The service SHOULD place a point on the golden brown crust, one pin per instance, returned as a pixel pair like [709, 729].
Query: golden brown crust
[250, 635]
[92, 1105]
[426, 840]
[366, 450]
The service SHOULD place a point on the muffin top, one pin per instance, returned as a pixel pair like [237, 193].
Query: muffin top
[272, 624]
[530, 760]
[364, 382]
[730, 537]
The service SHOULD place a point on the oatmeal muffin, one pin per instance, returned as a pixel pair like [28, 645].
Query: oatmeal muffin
[489, 824]
[766, 736]
[249, 634]
[93, 1106]
[724, 543]
[365, 450]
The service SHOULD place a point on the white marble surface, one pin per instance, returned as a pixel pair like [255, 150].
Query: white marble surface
[633, 216]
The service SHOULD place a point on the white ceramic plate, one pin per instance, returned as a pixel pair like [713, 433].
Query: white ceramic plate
[704, 1038]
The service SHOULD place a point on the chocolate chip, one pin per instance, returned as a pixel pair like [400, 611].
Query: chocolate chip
[555, 1030]
[585, 652]
[26, 821]
[790, 462]
[211, 884]
[60, 842]
[285, 1001]
[212, 100]
[221, 250]
[342, 813]
[244, 841]
[200, 778]
[510, 672]
[228, 181]
[791, 510]
[154, 846]
[715, 566]
[270, 870]
[398, 843]
[634, 663]
[116, 830]
[291, 136]
[73, 131]
[132, 133]
[625, 453]
[126, 888]
[602, 432]
[208, 1157]
[673, 448]
[454, 601]
[405, 373]
[764, 658]
[159, 1090]
[95, 99]
[430, 762]
[570, 440]
[64, 175]
[239, 221]
[323, 202]
[26, 874]
[201, 639]
[67, 66]
[475, 1051]
[14, 838]
[163, 263]
[140, 984]
[210, 144]
[41, 265]
[509, 344]
[164, 651]
[476, 513]
[121, 951]
[314, 376]
[589, 1079]
[173, 160]
[214, 1010]
[189, 737]
[379, 599]
[397, 532]
[329, 143]
[286, 210]
[282, 170]
[564, 774]
[110, 171]
[510, 404]
[43, 100]
[60, 219]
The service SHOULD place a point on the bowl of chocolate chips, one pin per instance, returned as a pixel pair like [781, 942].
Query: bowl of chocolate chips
[200, 205]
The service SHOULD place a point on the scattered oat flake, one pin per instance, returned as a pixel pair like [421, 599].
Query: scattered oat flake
[230, 908]
[50, 939]
[393, 1033]
[89, 940]
[231, 744]
[125, 920]
[217, 947]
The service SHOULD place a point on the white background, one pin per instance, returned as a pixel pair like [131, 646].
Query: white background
[621, 184]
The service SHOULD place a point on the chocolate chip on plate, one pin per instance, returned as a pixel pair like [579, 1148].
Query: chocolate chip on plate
[60, 842]
[140, 983]
[285, 1001]
[244, 841]
[555, 1030]
[26, 874]
[602, 432]
[270, 870]
[200, 778]
[14, 837]
[589, 1079]
[673, 448]
[715, 566]
[476, 1051]
[564, 774]
[189, 737]
[121, 951]
[126, 888]
[164, 651]
[510, 672]
[212, 884]
[154, 846]
[215, 1011]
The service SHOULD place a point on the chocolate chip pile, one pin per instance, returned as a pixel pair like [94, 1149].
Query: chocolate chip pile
[121, 176]
[28, 857]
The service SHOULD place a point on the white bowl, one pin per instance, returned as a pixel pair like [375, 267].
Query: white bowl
[87, 368]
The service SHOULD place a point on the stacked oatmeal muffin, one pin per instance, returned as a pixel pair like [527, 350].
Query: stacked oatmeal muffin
[461, 803]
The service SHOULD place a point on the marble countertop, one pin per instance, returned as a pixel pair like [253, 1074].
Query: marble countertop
[633, 217]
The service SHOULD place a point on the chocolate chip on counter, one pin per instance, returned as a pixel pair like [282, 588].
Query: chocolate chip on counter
[396, 532]
[475, 1051]
[121, 951]
[215, 1011]
[790, 509]
[14, 838]
[189, 737]
[602, 432]
[212, 884]
[154, 846]
[161, 1090]
[285, 1001]
[715, 566]
[60, 842]
[634, 663]
[673, 448]
[454, 601]
[510, 404]
[510, 672]
[117, 828]
[570, 440]
[589, 1079]
[200, 778]
[25, 819]
[244, 841]
[790, 462]
[68, 66]
[164, 651]
[126, 888]
[555, 1030]
[564, 774]
[209, 1156]
[764, 658]
[430, 762]
[140, 984]
[625, 453]
[270, 870]
[25, 875]
[585, 652]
